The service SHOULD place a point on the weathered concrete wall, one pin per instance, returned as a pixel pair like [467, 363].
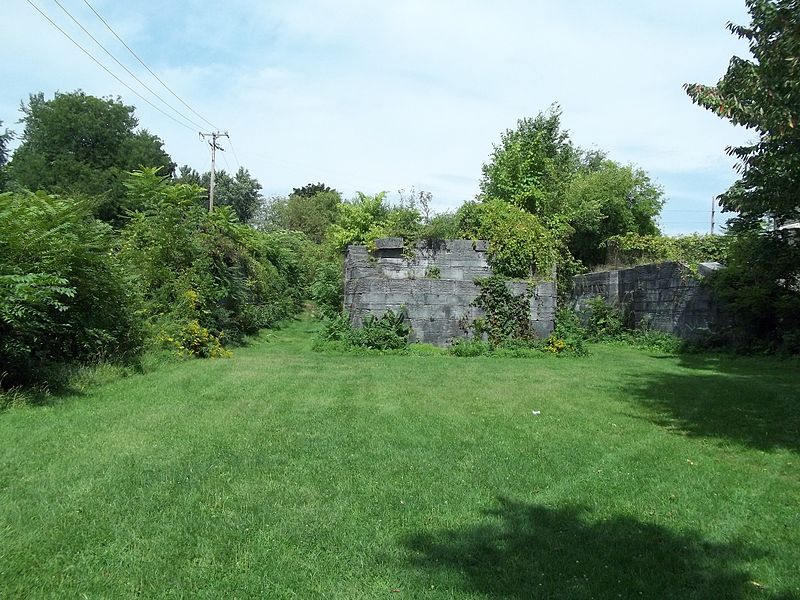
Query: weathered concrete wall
[438, 308]
[665, 296]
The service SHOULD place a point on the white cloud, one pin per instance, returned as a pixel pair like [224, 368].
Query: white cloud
[366, 95]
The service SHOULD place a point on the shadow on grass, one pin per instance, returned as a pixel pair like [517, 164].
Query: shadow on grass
[754, 402]
[521, 551]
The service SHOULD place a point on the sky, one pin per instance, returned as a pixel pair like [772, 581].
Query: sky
[371, 96]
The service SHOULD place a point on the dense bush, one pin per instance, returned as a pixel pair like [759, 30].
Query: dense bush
[692, 249]
[327, 288]
[388, 332]
[603, 320]
[64, 296]
[760, 289]
[608, 323]
[568, 336]
[205, 274]
[518, 243]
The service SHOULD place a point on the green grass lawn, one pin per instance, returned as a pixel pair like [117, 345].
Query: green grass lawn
[285, 473]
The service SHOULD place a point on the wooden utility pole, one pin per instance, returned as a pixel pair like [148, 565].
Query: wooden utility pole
[713, 213]
[214, 147]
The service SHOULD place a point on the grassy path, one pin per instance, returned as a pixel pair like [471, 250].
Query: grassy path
[285, 473]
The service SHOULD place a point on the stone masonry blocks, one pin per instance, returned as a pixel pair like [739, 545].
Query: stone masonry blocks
[665, 296]
[435, 287]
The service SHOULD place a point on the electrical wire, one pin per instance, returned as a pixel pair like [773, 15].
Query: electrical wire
[106, 69]
[235, 157]
[225, 160]
[136, 56]
[127, 70]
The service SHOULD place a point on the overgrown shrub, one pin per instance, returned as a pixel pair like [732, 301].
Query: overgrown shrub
[388, 332]
[467, 348]
[568, 336]
[443, 226]
[327, 288]
[205, 274]
[607, 323]
[760, 290]
[64, 296]
[633, 248]
[603, 319]
[519, 244]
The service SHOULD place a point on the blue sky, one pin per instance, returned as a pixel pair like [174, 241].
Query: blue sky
[371, 96]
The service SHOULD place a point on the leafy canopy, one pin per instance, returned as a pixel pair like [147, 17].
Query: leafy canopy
[533, 165]
[81, 145]
[762, 93]
[242, 191]
[310, 213]
[582, 198]
[608, 200]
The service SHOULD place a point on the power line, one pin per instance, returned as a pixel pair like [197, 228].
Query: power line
[235, 157]
[227, 166]
[136, 56]
[106, 69]
[127, 70]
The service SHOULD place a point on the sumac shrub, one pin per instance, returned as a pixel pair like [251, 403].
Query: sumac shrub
[389, 332]
[64, 296]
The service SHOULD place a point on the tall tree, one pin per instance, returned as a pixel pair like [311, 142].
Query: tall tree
[242, 192]
[581, 197]
[312, 215]
[6, 136]
[78, 144]
[762, 93]
[533, 165]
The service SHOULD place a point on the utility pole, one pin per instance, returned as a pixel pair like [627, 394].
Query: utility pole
[214, 147]
[713, 212]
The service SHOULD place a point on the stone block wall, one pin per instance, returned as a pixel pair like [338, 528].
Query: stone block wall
[665, 296]
[434, 286]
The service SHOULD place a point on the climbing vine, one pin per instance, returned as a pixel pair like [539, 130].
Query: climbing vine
[507, 316]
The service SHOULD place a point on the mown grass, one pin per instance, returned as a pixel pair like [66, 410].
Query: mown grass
[286, 473]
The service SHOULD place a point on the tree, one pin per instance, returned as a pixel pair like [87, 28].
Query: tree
[313, 215]
[359, 221]
[81, 145]
[5, 137]
[762, 93]
[608, 199]
[581, 197]
[532, 166]
[312, 189]
[242, 192]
